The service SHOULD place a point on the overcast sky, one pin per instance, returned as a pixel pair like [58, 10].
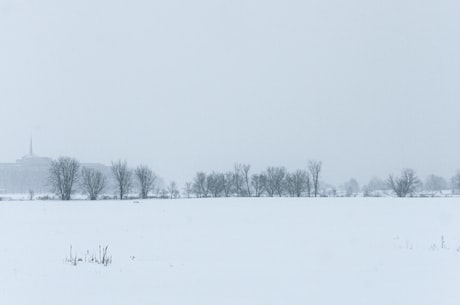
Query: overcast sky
[366, 86]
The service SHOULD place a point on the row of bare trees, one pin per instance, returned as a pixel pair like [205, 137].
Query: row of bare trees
[65, 177]
[274, 181]
[407, 183]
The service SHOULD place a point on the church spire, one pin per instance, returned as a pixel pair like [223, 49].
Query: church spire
[31, 149]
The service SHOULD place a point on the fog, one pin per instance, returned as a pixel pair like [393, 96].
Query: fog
[368, 87]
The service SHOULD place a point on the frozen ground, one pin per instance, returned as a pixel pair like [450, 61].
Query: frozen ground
[354, 251]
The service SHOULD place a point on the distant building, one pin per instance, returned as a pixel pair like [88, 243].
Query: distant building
[30, 173]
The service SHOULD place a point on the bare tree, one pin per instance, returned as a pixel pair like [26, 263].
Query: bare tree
[215, 183]
[146, 179]
[290, 187]
[274, 183]
[188, 189]
[376, 184]
[123, 177]
[373, 186]
[351, 187]
[163, 193]
[269, 185]
[200, 185]
[405, 184]
[63, 175]
[227, 184]
[315, 169]
[31, 194]
[238, 180]
[435, 183]
[258, 182]
[296, 183]
[308, 184]
[92, 182]
[245, 168]
[172, 190]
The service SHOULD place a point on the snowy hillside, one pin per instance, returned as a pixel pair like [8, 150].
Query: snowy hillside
[324, 251]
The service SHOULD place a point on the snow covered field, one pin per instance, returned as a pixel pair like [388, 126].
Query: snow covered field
[331, 251]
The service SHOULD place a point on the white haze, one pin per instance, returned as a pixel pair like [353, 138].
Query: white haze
[368, 87]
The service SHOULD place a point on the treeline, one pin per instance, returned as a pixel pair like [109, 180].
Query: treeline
[67, 176]
[274, 181]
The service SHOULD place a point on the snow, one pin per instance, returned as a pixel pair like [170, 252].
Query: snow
[253, 251]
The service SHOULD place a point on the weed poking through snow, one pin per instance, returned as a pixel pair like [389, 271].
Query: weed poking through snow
[102, 258]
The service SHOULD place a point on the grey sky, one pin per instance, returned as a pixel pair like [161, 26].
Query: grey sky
[368, 87]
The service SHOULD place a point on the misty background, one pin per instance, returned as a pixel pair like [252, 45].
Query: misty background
[368, 87]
